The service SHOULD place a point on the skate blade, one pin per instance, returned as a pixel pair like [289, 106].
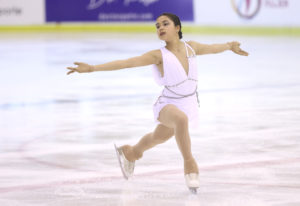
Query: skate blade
[193, 190]
[118, 151]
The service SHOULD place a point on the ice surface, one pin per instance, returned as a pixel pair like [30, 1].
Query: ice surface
[57, 131]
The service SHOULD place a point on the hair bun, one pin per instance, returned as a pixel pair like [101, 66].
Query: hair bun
[180, 34]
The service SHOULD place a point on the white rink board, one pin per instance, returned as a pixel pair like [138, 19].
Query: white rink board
[270, 13]
[22, 12]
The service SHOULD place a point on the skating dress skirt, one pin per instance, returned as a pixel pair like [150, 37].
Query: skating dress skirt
[180, 88]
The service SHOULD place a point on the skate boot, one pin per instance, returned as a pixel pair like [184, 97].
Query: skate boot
[127, 167]
[192, 182]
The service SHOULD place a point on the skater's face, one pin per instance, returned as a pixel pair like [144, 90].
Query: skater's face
[166, 29]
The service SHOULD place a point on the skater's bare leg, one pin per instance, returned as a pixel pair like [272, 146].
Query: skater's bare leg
[172, 117]
[149, 140]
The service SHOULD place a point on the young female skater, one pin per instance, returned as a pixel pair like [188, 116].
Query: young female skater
[177, 107]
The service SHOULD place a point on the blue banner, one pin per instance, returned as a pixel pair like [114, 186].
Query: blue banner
[116, 10]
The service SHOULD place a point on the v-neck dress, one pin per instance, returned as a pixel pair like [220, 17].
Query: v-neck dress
[180, 88]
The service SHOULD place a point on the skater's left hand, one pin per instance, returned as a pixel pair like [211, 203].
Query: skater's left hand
[235, 47]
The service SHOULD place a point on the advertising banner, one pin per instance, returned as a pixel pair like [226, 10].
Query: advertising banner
[115, 10]
[22, 12]
[248, 12]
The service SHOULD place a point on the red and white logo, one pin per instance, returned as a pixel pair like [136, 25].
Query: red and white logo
[246, 9]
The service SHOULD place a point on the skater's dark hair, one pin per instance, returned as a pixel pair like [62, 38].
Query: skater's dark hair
[175, 19]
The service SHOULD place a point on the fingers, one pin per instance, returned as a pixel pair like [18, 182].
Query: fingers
[244, 53]
[238, 50]
[71, 68]
[78, 63]
[70, 72]
[241, 52]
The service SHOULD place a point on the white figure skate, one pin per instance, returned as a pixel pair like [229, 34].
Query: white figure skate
[127, 167]
[192, 181]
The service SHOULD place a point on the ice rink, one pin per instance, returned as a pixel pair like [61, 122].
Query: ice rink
[57, 131]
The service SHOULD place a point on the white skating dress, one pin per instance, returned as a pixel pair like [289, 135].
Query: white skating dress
[180, 88]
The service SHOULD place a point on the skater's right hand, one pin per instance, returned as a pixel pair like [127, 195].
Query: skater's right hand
[81, 68]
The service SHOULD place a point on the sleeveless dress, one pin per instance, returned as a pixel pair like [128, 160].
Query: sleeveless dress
[180, 88]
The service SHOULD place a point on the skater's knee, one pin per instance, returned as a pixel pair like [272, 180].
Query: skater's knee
[181, 121]
[171, 116]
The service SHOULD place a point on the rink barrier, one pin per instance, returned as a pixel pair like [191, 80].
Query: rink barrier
[131, 28]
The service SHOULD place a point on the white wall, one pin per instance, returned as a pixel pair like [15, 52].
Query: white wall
[22, 12]
[207, 12]
[271, 13]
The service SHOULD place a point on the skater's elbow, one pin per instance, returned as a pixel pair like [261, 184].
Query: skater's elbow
[133, 62]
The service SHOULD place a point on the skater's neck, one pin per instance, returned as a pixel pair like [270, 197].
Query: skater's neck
[174, 45]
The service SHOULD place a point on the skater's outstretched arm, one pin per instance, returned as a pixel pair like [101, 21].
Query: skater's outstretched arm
[151, 57]
[217, 48]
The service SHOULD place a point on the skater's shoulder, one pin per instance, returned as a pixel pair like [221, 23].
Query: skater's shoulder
[155, 53]
[192, 44]
[150, 57]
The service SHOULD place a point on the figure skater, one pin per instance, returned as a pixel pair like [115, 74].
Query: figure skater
[174, 67]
